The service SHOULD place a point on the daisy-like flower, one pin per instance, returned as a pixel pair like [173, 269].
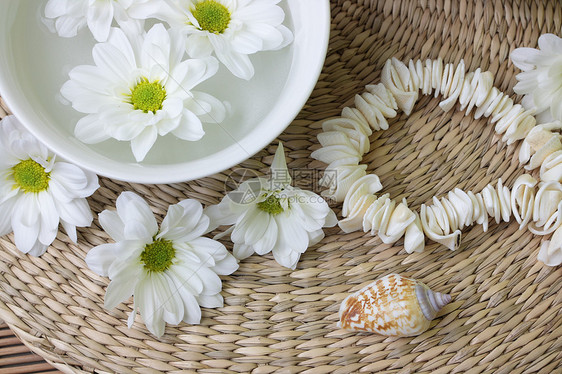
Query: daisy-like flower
[70, 16]
[140, 89]
[171, 272]
[541, 77]
[38, 191]
[232, 29]
[270, 215]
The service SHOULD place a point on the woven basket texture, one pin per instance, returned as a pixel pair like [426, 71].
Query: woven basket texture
[506, 313]
[15, 357]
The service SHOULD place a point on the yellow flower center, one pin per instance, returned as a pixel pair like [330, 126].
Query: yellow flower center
[212, 16]
[158, 255]
[30, 176]
[148, 96]
[271, 205]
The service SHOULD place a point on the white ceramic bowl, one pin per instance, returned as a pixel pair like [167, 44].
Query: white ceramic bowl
[34, 63]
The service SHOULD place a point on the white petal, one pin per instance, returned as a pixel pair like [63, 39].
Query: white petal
[6, 217]
[159, 9]
[286, 257]
[49, 218]
[207, 107]
[262, 12]
[55, 8]
[88, 97]
[268, 240]
[525, 58]
[198, 45]
[315, 237]
[192, 72]
[191, 309]
[99, 19]
[222, 214]
[70, 176]
[550, 43]
[239, 64]
[245, 223]
[38, 249]
[210, 301]
[251, 226]
[90, 129]
[76, 212]
[242, 251]
[123, 123]
[173, 306]
[212, 284]
[156, 49]
[184, 275]
[143, 142]
[68, 27]
[149, 299]
[137, 217]
[287, 36]
[250, 41]
[291, 233]
[208, 249]
[190, 127]
[100, 258]
[25, 222]
[122, 287]
[145, 300]
[112, 224]
[114, 61]
[184, 221]
[279, 167]
[173, 107]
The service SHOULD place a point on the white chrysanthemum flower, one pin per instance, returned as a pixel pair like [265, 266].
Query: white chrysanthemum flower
[232, 29]
[39, 191]
[70, 16]
[140, 89]
[270, 215]
[541, 77]
[171, 272]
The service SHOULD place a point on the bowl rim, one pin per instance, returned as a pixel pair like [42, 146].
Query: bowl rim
[230, 156]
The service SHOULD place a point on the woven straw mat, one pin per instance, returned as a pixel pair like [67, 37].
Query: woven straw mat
[506, 313]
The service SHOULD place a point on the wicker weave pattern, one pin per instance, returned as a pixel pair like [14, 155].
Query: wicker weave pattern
[506, 314]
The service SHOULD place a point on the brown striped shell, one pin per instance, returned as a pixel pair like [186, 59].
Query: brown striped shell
[392, 306]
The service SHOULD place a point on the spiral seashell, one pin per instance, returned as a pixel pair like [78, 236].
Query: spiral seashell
[393, 306]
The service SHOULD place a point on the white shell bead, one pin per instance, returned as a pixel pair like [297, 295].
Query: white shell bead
[444, 218]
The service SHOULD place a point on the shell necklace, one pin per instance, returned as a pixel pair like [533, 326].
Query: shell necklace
[345, 140]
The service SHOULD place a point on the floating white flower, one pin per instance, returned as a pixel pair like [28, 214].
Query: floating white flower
[39, 191]
[541, 77]
[69, 16]
[270, 215]
[170, 272]
[233, 29]
[140, 89]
